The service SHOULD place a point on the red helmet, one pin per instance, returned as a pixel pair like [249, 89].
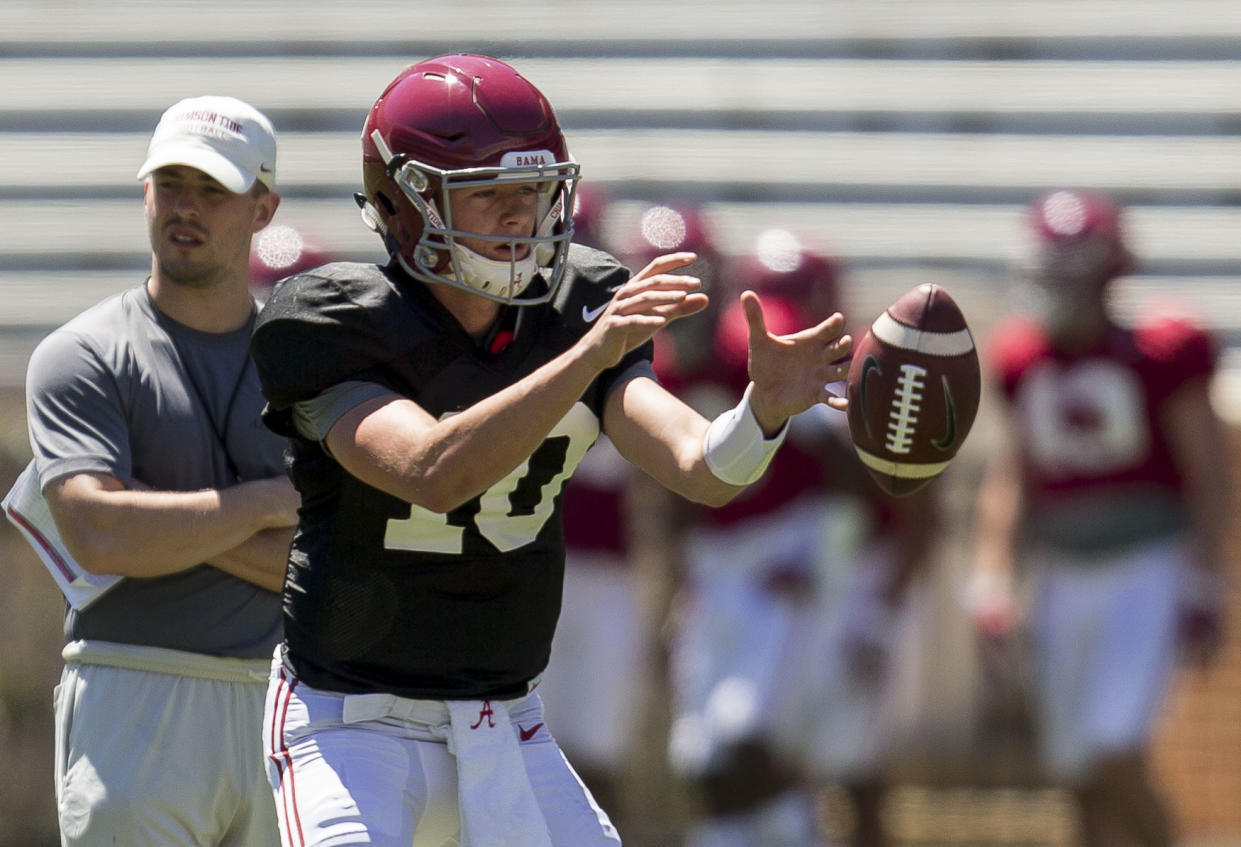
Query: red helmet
[662, 229]
[782, 266]
[1080, 237]
[781, 313]
[454, 122]
[670, 229]
[666, 229]
[278, 251]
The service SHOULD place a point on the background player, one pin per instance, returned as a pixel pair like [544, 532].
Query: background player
[437, 405]
[784, 627]
[605, 683]
[596, 682]
[144, 423]
[1114, 494]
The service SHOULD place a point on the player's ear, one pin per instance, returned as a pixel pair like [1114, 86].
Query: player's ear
[265, 209]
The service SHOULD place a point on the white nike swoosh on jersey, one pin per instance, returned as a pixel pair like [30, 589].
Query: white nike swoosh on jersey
[589, 315]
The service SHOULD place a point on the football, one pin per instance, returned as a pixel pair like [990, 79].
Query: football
[913, 388]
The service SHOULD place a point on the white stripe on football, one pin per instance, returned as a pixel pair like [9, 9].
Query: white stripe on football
[891, 331]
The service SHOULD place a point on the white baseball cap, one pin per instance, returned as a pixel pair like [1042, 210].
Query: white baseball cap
[223, 137]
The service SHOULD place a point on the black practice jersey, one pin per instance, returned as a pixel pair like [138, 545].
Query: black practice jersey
[384, 596]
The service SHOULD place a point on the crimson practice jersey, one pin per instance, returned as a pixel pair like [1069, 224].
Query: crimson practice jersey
[1101, 471]
[594, 510]
[798, 468]
[382, 596]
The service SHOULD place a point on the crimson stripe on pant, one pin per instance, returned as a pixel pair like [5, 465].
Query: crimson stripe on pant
[279, 753]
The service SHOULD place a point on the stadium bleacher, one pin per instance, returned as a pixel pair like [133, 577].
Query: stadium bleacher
[899, 136]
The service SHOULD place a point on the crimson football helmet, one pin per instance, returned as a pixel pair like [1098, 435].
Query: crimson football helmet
[1080, 237]
[454, 122]
[684, 349]
[278, 251]
[670, 229]
[664, 229]
[798, 288]
[783, 267]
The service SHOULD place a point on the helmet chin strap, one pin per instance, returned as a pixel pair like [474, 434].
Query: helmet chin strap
[503, 279]
[499, 279]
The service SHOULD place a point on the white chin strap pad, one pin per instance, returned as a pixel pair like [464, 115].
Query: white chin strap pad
[494, 276]
[734, 447]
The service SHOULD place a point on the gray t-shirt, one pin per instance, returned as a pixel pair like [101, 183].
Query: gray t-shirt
[124, 390]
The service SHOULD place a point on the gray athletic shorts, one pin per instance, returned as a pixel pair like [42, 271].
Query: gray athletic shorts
[162, 748]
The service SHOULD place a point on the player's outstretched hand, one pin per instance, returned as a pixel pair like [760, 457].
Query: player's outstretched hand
[649, 301]
[791, 372]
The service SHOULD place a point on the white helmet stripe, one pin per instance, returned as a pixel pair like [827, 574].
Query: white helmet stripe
[385, 152]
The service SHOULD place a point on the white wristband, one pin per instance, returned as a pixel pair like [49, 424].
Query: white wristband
[734, 447]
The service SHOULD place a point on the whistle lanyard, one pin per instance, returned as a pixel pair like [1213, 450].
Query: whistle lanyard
[219, 428]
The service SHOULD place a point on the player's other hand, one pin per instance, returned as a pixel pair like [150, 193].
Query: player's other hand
[866, 637]
[1200, 631]
[791, 372]
[992, 605]
[1200, 618]
[649, 301]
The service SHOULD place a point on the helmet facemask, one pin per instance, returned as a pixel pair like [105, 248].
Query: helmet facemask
[1078, 249]
[438, 256]
[1066, 281]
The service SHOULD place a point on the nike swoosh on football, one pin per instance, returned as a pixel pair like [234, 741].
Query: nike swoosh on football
[868, 365]
[527, 734]
[950, 412]
[589, 315]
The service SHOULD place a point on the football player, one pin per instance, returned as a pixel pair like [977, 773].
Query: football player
[596, 681]
[603, 669]
[1113, 494]
[436, 404]
[782, 646]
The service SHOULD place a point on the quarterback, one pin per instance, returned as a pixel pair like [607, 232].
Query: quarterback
[436, 405]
